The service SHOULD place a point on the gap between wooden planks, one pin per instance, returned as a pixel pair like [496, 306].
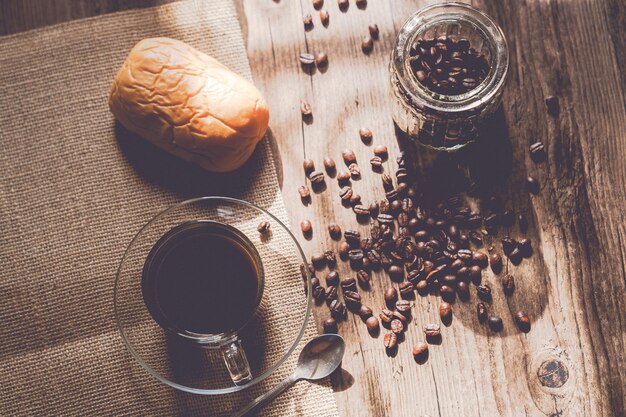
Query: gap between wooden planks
[572, 289]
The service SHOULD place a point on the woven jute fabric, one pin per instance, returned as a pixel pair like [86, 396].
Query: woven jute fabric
[75, 188]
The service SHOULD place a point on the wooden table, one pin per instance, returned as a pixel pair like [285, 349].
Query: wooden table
[573, 361]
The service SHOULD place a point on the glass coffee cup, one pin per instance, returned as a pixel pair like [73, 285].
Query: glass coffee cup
[203, 281]
[201, 293]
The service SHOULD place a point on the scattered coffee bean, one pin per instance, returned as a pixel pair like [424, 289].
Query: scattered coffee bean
[307, 19]
[420, 350]
[516, 256]
[330, 326]
[338, 310]
[324, 17]
[344, 249]
[367, 44]
[305, 192]
[329, 165]
[306, 227]
[343, 4]
[318, 260]
[319, 293]
[386, 315]
[462, 290]
[385, 218]
[361, 210]
[355, 199]
[365, 311]
[372, 324]
[400, 316]
[307, 59]
[361, 4]
[373, 29]
[496, 262]
[331, 293]
[395, 272]
[317, 4]
[355, 171]
[447, 293]
[522, 321]
[552, 103]
[396, 326]
[403, 306]
[376, 163]
[334, 231]
[348, 156]
[353, 237]
[332, 278]
[365, 134]
[348, 284]
[422, 287]
[352, 299]
[508, 284]
[356, 258]
[480, 259]
[373, 209]
[321, 59]
[346, 193]
[363, 277]
[343, 177]
[476, 238]
[537, 152]
[481, 311]
[264, 227]
[495, 323]
[445, 312]
[508, 245]
[475, 274]
[391, 295]
[316, 177]
[532, 185]
[381, 151]
[308, 165]
[406, 289]
[484, 292]
[390, 340]
[432, 330]
[331, 260]
[525, 247]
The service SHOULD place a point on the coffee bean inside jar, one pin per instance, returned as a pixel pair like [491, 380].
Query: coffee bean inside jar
[447, 74]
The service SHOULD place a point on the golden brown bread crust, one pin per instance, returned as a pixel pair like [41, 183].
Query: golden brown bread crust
[189, 104]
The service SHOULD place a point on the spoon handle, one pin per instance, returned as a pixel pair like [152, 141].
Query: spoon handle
[261, 400]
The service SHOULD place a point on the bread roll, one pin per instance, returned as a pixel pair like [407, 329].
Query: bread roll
[189, 104]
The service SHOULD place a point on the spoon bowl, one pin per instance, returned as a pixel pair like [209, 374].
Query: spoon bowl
[320, 357]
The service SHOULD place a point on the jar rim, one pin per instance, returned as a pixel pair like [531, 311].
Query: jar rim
[429, 17]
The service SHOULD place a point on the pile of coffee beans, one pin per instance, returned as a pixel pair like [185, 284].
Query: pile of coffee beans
[447, 66]
[425, 244]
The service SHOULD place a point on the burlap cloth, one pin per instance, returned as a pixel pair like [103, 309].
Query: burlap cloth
[74, 190]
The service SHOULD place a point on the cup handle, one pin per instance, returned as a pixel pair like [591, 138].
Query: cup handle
[236, 362]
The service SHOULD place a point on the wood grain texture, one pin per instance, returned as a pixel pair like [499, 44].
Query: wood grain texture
[573, 288]
[572, 363]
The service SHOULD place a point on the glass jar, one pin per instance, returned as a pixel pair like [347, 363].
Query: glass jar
[439, 120]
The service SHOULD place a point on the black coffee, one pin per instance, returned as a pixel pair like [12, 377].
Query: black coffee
[202, 277]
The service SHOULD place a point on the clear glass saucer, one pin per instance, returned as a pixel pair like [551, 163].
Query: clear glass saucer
[268, 339]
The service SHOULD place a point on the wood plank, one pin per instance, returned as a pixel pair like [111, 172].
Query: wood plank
[575, 302]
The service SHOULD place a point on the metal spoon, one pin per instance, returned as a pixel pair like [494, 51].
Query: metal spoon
[319, 358]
